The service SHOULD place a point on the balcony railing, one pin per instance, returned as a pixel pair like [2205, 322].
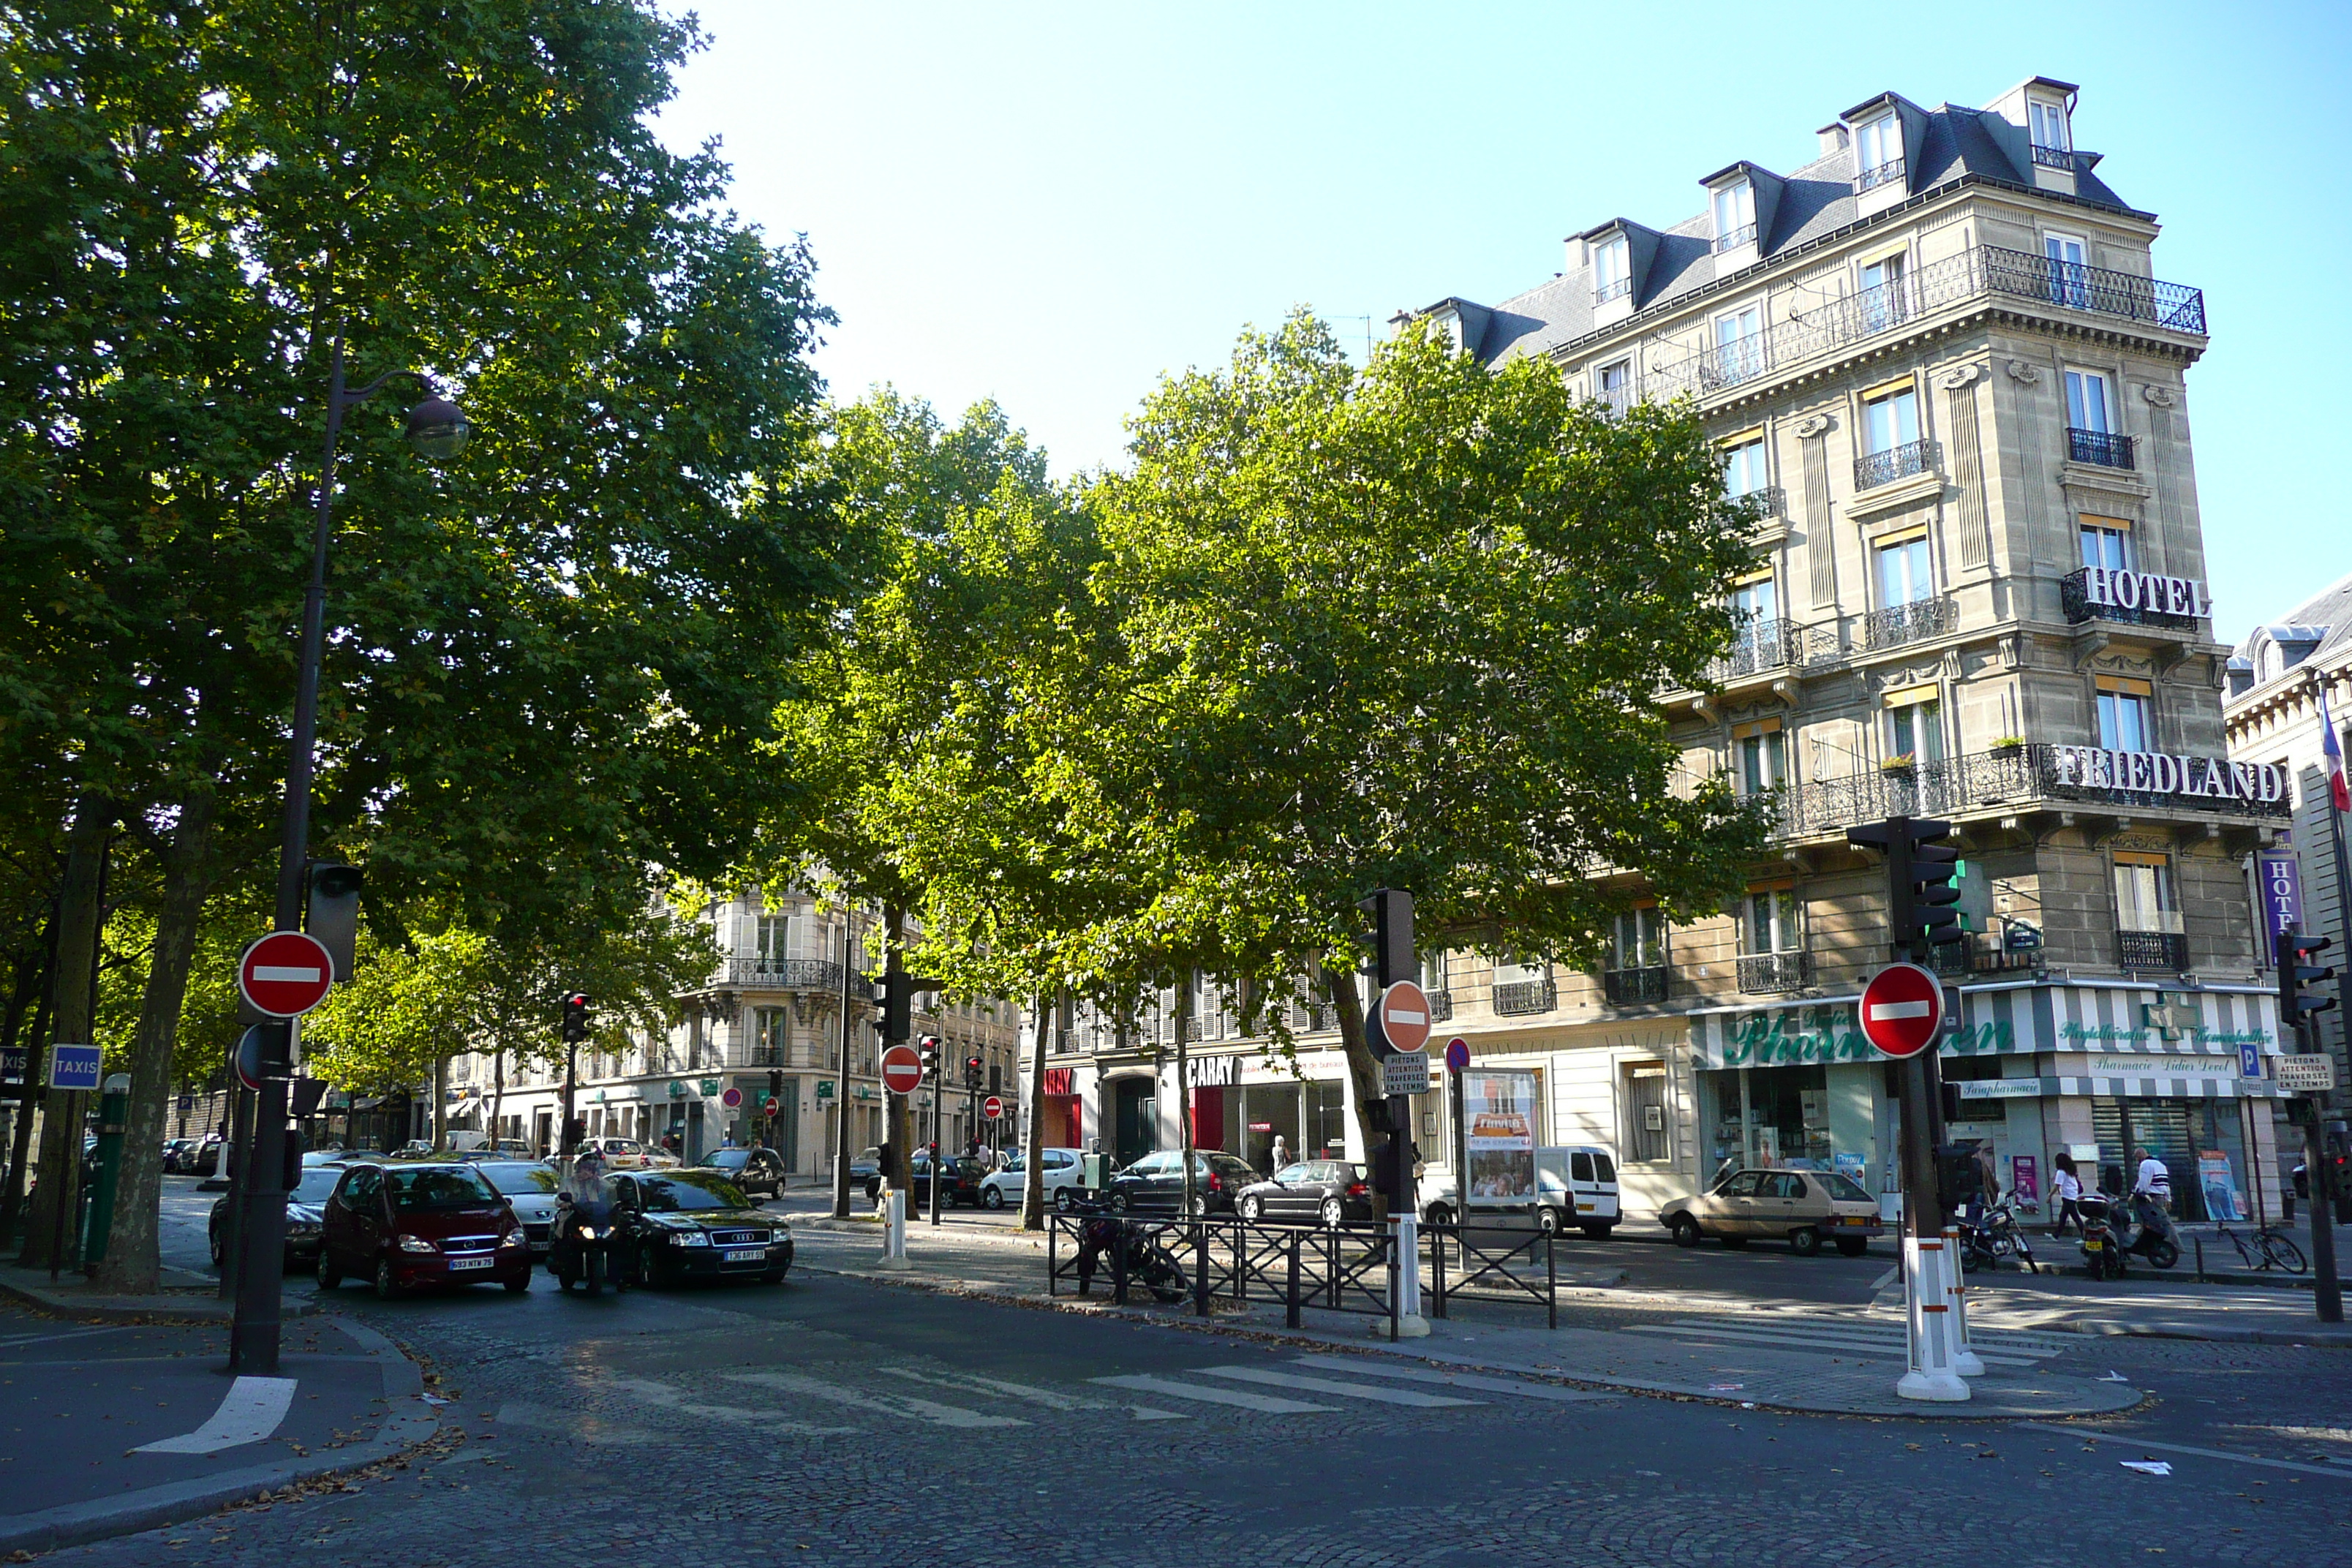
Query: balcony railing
[2075, 598]
[2099, 446]
[1764, 973]
[784, 973]
[2013, 777]
[1875, 468]
[1634, 987]
[1441, 1006]
[2054, 157]
[1764, 645]
[1744, 235]
[1981, 955]
[1616, 289]
[1915, 622]
[2163, 951]
[1517, 997]
[1885, 173]
[1820, 328]
[1771, 500]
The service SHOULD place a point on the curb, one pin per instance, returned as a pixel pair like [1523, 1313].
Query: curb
[154, 1507]
[186, 1307]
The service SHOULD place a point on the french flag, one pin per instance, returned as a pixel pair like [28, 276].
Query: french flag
[2334, 752]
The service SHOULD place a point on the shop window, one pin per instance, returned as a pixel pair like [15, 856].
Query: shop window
[1647, 1135]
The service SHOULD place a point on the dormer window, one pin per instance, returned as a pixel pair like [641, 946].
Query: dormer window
[1878, 149]
[2047, 130]
[1734, 216]
[1612, 272]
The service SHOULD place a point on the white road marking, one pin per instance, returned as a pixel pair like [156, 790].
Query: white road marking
[2125, 1439]
[1549, 1392]
[1051, 1398]
[1269, 1404]
[670, 1398]
[1337, 1390]
[1891, 1348]
[899, 1405]
[249, 1412]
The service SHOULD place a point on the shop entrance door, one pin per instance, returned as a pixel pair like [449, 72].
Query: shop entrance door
[1133, 1131]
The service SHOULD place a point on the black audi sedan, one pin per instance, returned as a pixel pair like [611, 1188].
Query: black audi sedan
[1330, 1191]
[679, 1225]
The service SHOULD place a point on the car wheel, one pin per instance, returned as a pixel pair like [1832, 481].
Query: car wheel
[1852, 1245]
[1118, 1202]
[386, 1288]
[1251, 1207]
[1733, 1242]
[1199, 1208]
[1333, 1212]
[518, 1287]
[1062, 1200]
[328, 1275]
[1548, 1219]
[1441, 1214]
[992, 1198]
[1806, 1242]
[1686, 1231]
[215, 1237]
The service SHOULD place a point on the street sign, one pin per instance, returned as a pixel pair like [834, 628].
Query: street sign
[772, 1106]
[286, 973]
[902, 1069]
[825, 1088]
[1401, 1017]
[1407, 1072]
[1952, 1011]
[732, 1098]
[2296, 1075]
[992, 1107]
[73, 1067]
[12, 1065]
[1902, 1008]
[2250, 1060]
[187, 1103]
[1457, 1055]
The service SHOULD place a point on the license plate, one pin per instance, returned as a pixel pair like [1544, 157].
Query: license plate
[2093, 1247]
[748, 1255]
[458, 1262]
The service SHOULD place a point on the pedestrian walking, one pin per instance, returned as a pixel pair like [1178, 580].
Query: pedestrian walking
[2067, 1188]
[1281, 1154]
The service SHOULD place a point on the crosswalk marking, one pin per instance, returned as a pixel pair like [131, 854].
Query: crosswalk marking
[658, 1392]
[1337, 1390]
[1052, 1399]
[1550, 1392]
[902, 1404]
[1266, 1403]
[1883, 1329]
[1885, 1342]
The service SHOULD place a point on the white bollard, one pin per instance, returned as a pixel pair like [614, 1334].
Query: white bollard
[1411, 1324]
[893, 1204]
[1928, 1324]
[1965, 1360]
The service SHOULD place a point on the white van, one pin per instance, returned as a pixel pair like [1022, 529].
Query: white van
[1576, 1185]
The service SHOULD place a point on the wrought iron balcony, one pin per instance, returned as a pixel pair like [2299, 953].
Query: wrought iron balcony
[1616, 289]
[1634, 987]
[1441, 1006]
[783, 974]
[2014, 778]
[1770, 501]
[1899, 624]
[2075, 598]
[1744, 235]
[1517, 997]
[2098, 290]
[1876, 468]
[1765, 974]
[2054, 157]
[2165, 952]
[1980, 953]
[1885, 173]
[2099, 446]
[1764, 645]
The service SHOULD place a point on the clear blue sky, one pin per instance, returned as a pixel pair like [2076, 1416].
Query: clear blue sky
[1053, 205]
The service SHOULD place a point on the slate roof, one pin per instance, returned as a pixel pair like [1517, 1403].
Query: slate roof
[2323, 623]
[1818, 199]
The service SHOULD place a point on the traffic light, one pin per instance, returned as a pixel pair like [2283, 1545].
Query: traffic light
[775, 1083]
[332, 914]
[930, 1049]
[894, 1005]
[971, 1072]
[2296, 971]
[575, 1017]
[1921, 879]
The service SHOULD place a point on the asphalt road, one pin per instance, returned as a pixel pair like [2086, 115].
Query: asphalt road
[833, 1421]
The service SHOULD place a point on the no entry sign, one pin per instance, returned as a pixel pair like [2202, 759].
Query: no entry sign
[902, 1069]
[286, 973]
[1902, 1009]
[1402, 1016]
[992, 1106]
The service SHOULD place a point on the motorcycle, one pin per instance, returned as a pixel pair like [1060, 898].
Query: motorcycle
[2109, 1236]
[1105, 1237]
[1992, 1236]
[580, 1246]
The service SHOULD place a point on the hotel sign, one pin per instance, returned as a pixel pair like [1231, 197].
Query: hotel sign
[2161, 773]
[2112, 589]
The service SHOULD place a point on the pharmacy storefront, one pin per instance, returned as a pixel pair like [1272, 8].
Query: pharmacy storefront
[2038, 1068]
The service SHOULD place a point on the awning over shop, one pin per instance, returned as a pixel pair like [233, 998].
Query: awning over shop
[2165, 1086]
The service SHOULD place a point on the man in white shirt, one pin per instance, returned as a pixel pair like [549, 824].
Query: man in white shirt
[2152, 1194]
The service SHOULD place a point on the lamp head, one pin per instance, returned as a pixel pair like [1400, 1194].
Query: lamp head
[437, 429]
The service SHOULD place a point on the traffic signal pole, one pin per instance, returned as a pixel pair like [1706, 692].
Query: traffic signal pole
[2296, 1011]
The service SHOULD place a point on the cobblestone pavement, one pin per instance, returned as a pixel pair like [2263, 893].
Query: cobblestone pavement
[833, 1420]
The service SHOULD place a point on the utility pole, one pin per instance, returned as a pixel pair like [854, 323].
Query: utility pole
[841, 1090]
[2298, 1010]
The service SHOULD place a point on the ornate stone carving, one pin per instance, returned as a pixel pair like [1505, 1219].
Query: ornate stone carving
[2024, 372]
[2160, 396]
[1812, 425]
[1953, 380]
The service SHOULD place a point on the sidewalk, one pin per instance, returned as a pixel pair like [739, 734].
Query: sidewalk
[186, 1297]
[117, 1427]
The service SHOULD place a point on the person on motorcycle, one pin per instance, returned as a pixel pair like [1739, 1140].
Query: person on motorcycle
[2151, 1195]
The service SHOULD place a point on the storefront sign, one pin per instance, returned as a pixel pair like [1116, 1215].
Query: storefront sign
[1060, 1080]
[1999, 1088]
[2080, 1036]
[2162, 772]
[1212, 1072]
[2169, 1064]
[1794, 1036]
[1501, 1137]
[2282, 877]
[2115, 589]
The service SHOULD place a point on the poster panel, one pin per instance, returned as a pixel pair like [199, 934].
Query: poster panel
[1501, 1104]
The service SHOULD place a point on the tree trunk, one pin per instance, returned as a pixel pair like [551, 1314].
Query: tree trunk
[20, 1152]
[132, 1261]
[50, 1235]
[499, 1096]
[1184, 1088]
[1032, 1173]
[1362, 1070]
[440, 1105]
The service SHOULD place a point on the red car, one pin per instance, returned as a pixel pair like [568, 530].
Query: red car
[414, 1223]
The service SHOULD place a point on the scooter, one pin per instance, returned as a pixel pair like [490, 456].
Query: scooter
[580, 1246]
[2150, 1237]
[2109, 1236]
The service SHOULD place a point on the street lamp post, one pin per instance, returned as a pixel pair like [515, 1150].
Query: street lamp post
[437, 432]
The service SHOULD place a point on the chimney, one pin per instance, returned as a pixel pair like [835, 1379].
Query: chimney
[1834, 137]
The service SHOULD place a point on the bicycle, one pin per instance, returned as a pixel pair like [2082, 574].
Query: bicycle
[2274, 1246]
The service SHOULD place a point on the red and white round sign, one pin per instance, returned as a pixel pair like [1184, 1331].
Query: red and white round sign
[1902, 1008]
[902, 1069]
[992, 1106]
[286, 973]
[1404, 1016]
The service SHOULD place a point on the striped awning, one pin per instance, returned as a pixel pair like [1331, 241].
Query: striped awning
[2108, 1019]
[2162, 1085]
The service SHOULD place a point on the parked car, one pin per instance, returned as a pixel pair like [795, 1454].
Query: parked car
[178, 1155]
[865, 1172]
[529, 1187]
[412, 1224]
[1155, 1184]
[201, 1158]
[305, 1213]
[678, 1224]
[1808, 1207]
[758, 1172]
[1326, 1189]
[1062, 1171]
[628, 1154]
[959, 1183]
